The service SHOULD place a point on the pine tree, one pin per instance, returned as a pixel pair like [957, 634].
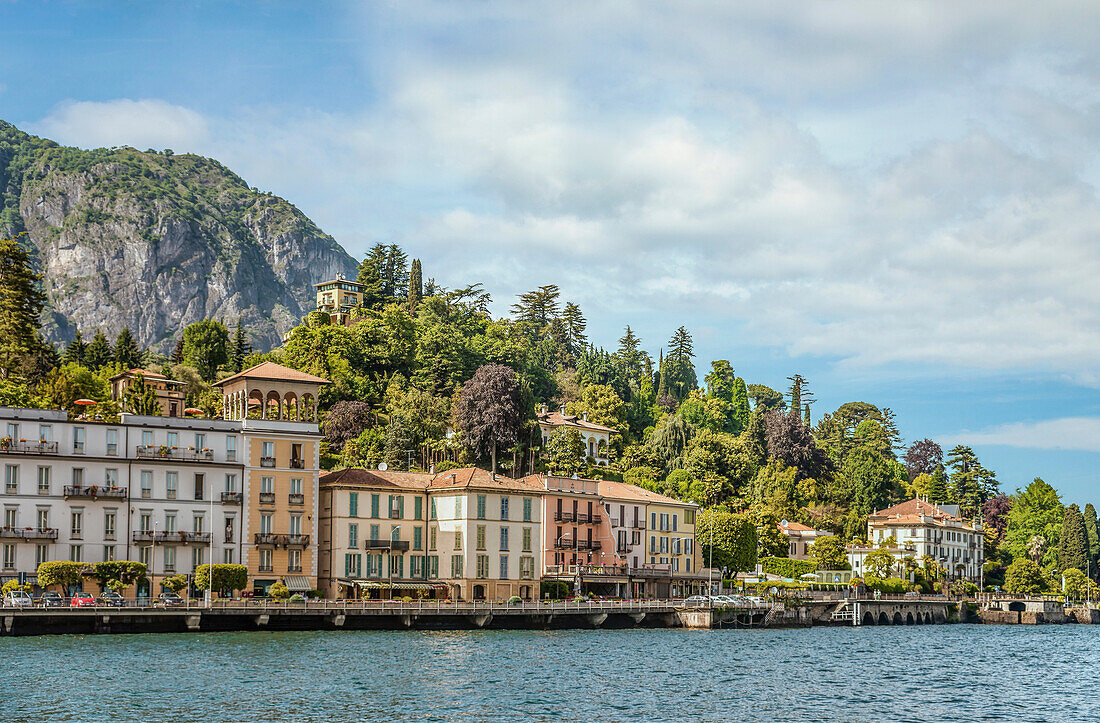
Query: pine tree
[538, 309]
[370, 277]
[74, 352]
[662, 384]
[21, 304]
[126, 351]
[631, 358]
[679, 369]
[416, 287]
[797, 382]
[575, 325]
[937, 488]
[966, 473]
[806, 415]
[241, 347]
[1092, 528]
[1073, 543]
[98, 354]
[177, 352]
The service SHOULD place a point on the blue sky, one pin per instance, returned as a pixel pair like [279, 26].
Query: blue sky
[897, 200]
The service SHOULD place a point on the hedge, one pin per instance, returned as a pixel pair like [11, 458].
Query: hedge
[226, 577]
[887, 586]
[786, 567]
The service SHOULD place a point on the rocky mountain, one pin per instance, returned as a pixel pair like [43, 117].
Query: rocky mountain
[155, 241]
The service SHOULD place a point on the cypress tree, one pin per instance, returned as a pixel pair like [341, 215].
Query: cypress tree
[806, 416]
[98, 354]
[126, 351]
[21, 304]
[937, 488]
[1093, 531]
[740, 401]
[796, 392]
[416, 287]
[177, 352]
[1073, 543]
[662, 385]
[241, 347]
[74, 352]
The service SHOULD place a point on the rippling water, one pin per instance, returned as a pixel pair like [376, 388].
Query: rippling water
[935, 673]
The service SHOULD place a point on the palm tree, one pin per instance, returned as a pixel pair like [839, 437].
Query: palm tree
[1036, 546]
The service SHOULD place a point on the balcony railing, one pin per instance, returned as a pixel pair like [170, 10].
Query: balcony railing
[565, 543]
[561, 516]
[43, 533]
[638, 524]
[298, 540]
[293, 568]
[296, 499]
[265, 568]
[11, 533]
[94, 492]
[231, 498]
[142, 536]
[297, 463]
[267, 461]
[382, 544]
[161, 451]
[182, 537]
[7, 444]
[588, 570]
[268, 538]
[657, 570]
[267, 498]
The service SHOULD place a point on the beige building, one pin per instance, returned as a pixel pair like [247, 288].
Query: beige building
[338, 297]
[170, 393]
[597, 438]
[800, 538]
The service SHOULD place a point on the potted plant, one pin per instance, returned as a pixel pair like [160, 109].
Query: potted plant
[5, 442]
[164, 450]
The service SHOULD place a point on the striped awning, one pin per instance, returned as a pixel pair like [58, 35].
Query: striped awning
[297, 583]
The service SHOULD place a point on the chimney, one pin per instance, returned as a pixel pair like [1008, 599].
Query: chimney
[543, 408]
[586, 416]
[562, 410]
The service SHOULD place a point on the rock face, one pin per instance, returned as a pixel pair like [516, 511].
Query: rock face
[155, 241]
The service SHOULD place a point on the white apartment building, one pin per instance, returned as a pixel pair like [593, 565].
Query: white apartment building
[159, 490]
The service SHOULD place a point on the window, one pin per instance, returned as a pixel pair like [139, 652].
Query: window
[43, 480]
[110, 476]
[395, 533]
[294, 561]
[689, 517]
[9, 557]
[197, 554]
[526, 568]
[353, 535]
[374, 532]
[397, 507]
[11, 479]
[76, 553]
[503, 567]
[458, 507]
[170, 522]
[458, 539]
[200, 442]
[397, 565]
[43, 519]
[45, 432]
[456, 566]
[147, 438]
[480, 537]
[431, 538]
[664, 545]
[503, 539]
[200, 482]
[109, 517]
[353, 565]
[171, 484]
[265, 524]
[526, 509]
[78, 440]
[231, 449]
[653, 520]
[526, 539]
[374, 506]
[503, 507]
[231, 483]
[416, 566]
[145, 556]
[112, 441]
[418, 538]
[196, 523]
[674, 518]
[482, 566]
[296, 524]
[227, 556]
[146, 524]
[267, 485]
[295, 485]
[174, 440]
[10, 520]
[229, 526]
[433, 566]
[42, 554]
[653, 543]
[432, 511]
[353, 504]
[265, 560]
[418, 508]
[267, 449]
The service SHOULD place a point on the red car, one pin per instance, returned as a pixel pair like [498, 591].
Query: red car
[82, 600]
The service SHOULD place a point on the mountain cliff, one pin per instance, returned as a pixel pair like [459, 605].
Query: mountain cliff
[155, 241]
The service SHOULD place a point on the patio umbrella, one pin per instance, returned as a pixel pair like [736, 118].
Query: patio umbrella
[193, 410]
[85, 402]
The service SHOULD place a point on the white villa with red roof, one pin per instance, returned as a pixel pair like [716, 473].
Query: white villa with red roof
[800, 537]
[597, 438]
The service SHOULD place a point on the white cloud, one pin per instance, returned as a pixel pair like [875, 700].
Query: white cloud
[146, 123]
[1068, 433]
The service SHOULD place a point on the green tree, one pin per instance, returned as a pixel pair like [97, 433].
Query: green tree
[1023, 577]
[241, 347]
[226, 577]
[1036, 512]
[174, 583]
[967, 473]
[537, 309]
[1093, 530]
[830, 553]
[21, 304]
[574, 325]
[879, 563]
[116, 575]
[765, 399]
[670, 438]
[565, 452]
[1073, 543]
[602, 405]
[633, 360]
[679, 370]
[126, 351]
[740, 414]
[206, 347]
[278, 591]
[936, 490]
[416, 287]
[1075, 584]
[726, 538]
[140, 399]
[59, 572]
[74, 352]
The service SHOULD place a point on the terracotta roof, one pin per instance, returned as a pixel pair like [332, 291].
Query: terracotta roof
[621, 491]
[795, 526]
[557, 419]
[359, 477]
[915, 512]
[475, 477]
[275, 372]
[143, 372]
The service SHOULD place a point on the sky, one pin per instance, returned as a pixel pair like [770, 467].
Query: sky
[898, 201]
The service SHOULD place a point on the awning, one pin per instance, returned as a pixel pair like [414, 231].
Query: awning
[297, 583]
[395, 585]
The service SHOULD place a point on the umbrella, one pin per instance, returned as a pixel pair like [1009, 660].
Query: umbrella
[193, 410]
[85, 402]
[809, 576]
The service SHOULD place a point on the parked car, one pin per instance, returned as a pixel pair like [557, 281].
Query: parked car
[82, 600]
[17, 599]
[112, 599]
[168, 600]
[50, 599]
[697, 600]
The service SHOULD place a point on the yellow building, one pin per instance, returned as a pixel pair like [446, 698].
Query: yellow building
[338, 297]
[277, 409]
[170, 393]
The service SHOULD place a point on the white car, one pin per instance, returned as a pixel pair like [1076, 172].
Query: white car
[17, 599]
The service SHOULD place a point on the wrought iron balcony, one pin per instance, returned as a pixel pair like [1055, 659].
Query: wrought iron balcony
[163, 451]
[40, 533]
[94, 492]
[268, 538]
[231, 498]
[297, 540]
[267, 461]
[267, 498]
[296, 499]
[142, 536]
[12, 446]
[297, 463]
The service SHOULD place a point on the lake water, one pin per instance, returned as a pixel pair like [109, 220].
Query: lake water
[931, 673]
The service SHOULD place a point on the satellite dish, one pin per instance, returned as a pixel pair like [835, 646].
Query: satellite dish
[785, 523]
[382, 466]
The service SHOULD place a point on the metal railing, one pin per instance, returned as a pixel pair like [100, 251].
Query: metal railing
[267, 498]
[267, 461]
[40, 447]
[231, 498]
[154, 451]
[296, 499]
[94, 492]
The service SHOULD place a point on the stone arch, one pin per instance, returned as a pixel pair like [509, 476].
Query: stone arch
[479, 592]
[882, 619]
[897, 618]
[1016, 607]
[255, 404]
[309, 408]
[909, 619]
[868, 618]
[273, 406]
[920, 619]
[291, 407]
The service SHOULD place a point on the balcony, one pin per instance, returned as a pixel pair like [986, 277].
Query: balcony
[298, 540]
[622, 549]
[265, 568]
[293, 568]
[268, 538]
[561, 516]
[565, 543]
[267, 498]
[11, 533]
[94, 492]
[638, 525]
[652, 571]
[163, 451]
[142, 536]
[297, 464]
[181, 537]
[296, 499]
[588, 571]
[231, 498]
[44, 533]
[267, 461]
[11, 446]
[379, 544]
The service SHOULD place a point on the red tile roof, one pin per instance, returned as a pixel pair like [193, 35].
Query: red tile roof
[915, 512]
[475, 477]
[274, 372]
[557, 419]
[359, 477]
[621, 491]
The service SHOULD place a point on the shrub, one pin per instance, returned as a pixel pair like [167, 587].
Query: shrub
[785, 567]
[314, 594]
[557, 590]
[515, 600]
[888, 585]
[278, 591]
[14, 585]
[59, 572]
[296, 597]
[226, 577]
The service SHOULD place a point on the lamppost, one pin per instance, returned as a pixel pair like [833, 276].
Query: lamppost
[210, 562]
